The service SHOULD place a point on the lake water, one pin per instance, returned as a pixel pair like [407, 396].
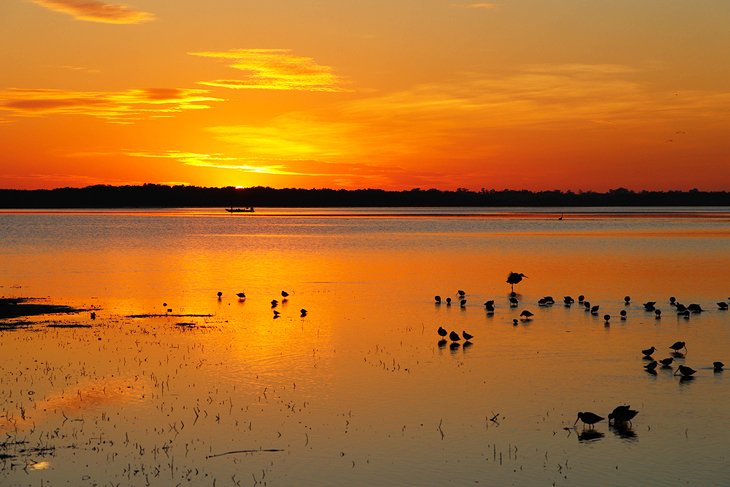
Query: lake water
[359, 391]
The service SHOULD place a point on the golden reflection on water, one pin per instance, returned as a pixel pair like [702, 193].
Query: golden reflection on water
[359, 391]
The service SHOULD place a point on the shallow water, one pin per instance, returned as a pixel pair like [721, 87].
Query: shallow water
[359, 392]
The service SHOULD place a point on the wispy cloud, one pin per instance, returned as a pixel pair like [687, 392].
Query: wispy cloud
[97, 11]
[475, 5]
[113, 106]
[275, 69]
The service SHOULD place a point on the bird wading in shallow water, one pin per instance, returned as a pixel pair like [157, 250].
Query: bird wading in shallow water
[454, 336]
[442, 331]
[514, 278]
[684, 371]
[622, 414]
[588, 418]
[677, 346]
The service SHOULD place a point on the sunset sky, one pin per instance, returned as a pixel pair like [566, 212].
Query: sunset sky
[392, 94]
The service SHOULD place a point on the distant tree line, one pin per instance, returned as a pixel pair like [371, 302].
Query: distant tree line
[161, 196]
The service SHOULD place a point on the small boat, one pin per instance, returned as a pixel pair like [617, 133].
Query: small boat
[250, 209]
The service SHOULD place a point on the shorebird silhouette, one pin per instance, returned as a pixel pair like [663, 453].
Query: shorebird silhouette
[658, 314]
[677, 346]
[684, 371]
[461, 293]
[302, 313]
[649, 305]
[526, 314]
[513, 302]
[454, 336]
[722, 306]
[647, 352]
[622, 414]
[717, 366]
[623, 314]
[514, 278]
[568, 300]
[462, 303]
[489, 306]
[467, 336]
[284, 294]
[666, 362]
[448, 301]
[515, 322]
[695, 308]
[581, 298]
[627, 300]
[651, 366]
[588, 418]
[672, 301]
[241, 295]
[437, 298]
[607, 318]
[442, 331]
[220, 294]
[594, 309]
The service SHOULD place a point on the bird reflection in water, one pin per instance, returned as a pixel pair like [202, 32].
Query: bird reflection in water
[590, 435]
[623, 430]
[442, 343]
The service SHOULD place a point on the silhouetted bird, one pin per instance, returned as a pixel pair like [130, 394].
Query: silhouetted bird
[594, 309]
[302, 313]
[647, 352]
[607, 318]
[677, 346]
[454, 336]
[627, 300]
[437, 299]
[672, 301]
[649, 305]
[657, 313]
[722, 306]
[651, 365]
[666, 362]
[276, 314]
[684, 371]
[241, 295]
[515, 322]
[164, 305]
[588, 418]
[466, 335]
[220, 294]
[442, 331]
[461, 293]
[513, 302]
[514, 278]
[549, 299]
[681, 308]
[448, 301]
[695, 308]
[568, 300]
[622, 414]
[274, 303]
[489, 306]
[284, 294]
[462, 303]
[526, 314]
[587, 305]
[623, 314]
[717, 366]
[581, 298]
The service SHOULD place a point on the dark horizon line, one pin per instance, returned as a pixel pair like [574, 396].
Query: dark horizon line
[180, 196]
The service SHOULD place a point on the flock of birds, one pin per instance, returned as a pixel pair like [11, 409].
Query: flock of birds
[621, 415]
[274, 303]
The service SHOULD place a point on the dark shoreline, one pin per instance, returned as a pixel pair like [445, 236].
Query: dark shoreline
[161, 196]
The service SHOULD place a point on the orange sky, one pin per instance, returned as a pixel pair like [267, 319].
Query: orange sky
[393, 94]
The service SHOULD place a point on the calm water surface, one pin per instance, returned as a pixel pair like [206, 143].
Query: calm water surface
[359, 392]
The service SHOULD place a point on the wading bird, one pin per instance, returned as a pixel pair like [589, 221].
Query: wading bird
[647, 352]
[695, 308]
[467, 336]
[454, 336]
[302, 313]
[513, 302]
[526, 314]
[666, 362]
[442, 331]
[717, 366]
[622, 414]
[623, 314]
[514, 278]
[220, 294]
[722, 306]
[284, 294]
[651, 366]
[588, 418]
[627, 300]
[437, 298]
[241, 295]
[684, 371]
[677, 346]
